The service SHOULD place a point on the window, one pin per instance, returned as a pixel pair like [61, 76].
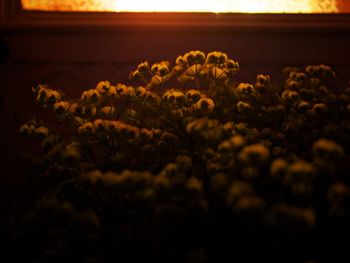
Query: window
[220, 6]
[216, 16]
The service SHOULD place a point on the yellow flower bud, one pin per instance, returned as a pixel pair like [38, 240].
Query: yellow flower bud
[103, 87]
[61, 107]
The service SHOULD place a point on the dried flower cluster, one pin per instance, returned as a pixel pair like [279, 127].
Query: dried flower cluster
[188, 158]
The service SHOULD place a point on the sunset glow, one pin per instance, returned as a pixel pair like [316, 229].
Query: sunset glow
[215, 6]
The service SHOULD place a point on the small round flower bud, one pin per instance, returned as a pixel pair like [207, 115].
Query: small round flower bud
[303, 106]
[131, 92]
[99, 125]
[237, 190]
[112, 92]
[155, 68]
[162, 183]
[320, 108]
[135, 75]
[122, 90]
[213, 57]
[244, 107]
[180, 99]
[262, 81]
[189, 58]
[61, 107]
[205, 104]
[171, 170]
[245, 90]
[75, 108]
[237, 142]
[222, 58]
[143, 67]
[327, 150]
[140, 92]
[90, 95]
[103, 87]
[300, 171]
[233, 65]
[194, 186]
[152, 99]
[41, 132]
[52, 96]
[89, 111]
[278, 168]
[254, 154]
[292, 85]
[240, 128]
[199, 57]
[320, 71]
[27, 130]
[179, 60]
[290, 95]
[297, 76]
[41, 94]
[193, 96]
[86, 129]
[163, 70]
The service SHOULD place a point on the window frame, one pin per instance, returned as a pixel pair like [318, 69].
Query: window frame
[13, 18]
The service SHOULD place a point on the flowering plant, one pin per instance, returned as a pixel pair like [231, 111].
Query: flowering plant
[188, 147]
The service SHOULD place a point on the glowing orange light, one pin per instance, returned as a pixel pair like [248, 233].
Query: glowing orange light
[222, 6]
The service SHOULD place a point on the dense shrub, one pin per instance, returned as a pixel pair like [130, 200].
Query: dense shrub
[185, 164]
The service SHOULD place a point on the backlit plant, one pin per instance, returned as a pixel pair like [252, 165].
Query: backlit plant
[186, 142]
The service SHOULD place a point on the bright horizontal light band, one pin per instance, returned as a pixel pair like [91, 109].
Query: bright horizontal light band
[216, 6]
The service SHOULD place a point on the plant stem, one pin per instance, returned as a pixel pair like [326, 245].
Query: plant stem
[81, 139]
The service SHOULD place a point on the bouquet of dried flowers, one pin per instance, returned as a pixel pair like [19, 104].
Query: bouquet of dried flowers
[185, 158]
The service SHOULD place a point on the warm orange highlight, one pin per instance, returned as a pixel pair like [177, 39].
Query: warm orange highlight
[216, 6]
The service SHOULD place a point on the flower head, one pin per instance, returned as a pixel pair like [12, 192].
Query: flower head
[91, 95]
[325, 149]
[205, 105]
[254, 154]
[103, 87]
[61, 107]
[41, 132]
[143, 67]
